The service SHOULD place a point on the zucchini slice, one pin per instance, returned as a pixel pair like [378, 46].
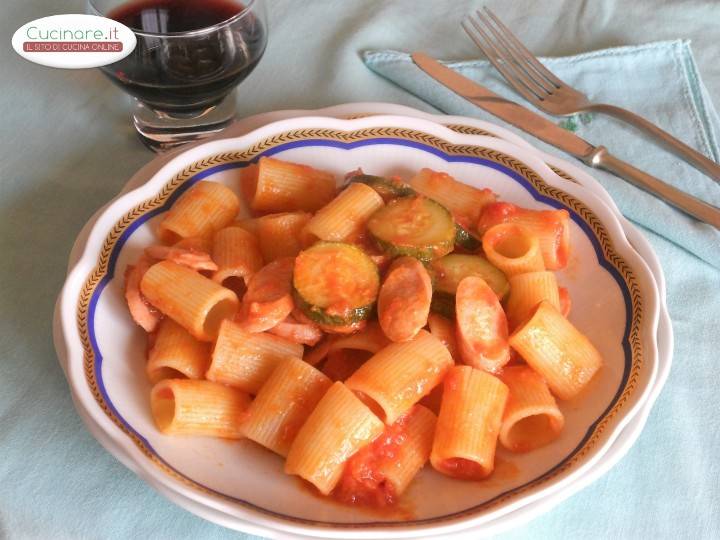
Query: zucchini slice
[451, 269]
[414, 226]
[335, 284]
[465, 239]
[387, 188]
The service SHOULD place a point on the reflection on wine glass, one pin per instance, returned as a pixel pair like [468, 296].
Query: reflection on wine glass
[190, 56]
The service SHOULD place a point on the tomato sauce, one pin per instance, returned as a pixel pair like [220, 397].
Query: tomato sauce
[340, 364]
[551, 224]
[363, 481]
[495, 213]
[464, 469]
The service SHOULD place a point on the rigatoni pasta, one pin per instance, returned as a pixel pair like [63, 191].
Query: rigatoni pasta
[204, 408]
[419, 431]
[557, 350]
[280, 235]
[338, 427]
[273, 185]
[176, 354]
[512, 249]
[401, 374]
[195, 302]
[245, 360]
[236, 253]
[380, 472]
[371, 339]
[468, 424]
[345, 216]
[532, 418]
[444, 329]
[527, 291]
[202, 209]
[283, 404]
[551, 227]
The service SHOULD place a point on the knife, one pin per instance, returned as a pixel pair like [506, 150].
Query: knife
[547, 131]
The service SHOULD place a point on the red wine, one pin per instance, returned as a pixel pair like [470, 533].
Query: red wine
[184, 73]
[163, 16]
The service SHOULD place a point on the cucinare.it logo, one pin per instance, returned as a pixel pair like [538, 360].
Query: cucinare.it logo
[74, 41]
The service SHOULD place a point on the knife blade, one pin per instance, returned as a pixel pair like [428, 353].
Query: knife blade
[545, 130]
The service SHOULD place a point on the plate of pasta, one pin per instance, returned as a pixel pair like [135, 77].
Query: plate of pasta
[362, 327]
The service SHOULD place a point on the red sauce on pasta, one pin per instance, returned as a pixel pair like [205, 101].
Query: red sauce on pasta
[464, 469]
[363, 482]
[342, 363]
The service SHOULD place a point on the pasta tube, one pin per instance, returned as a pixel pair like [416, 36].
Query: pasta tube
[557, 350]
[344, 217]
[338, 427]
[526, 291]
[246, 360]
[236, 253]
[532, 418]
[444, 329]
[280, 235]
[188, 407]
[512, 249]
[419, 429]
[381, 471]
[202, 209]
[176, 354]
[284, 403]
[195, 302]
[273, 185]
[468, 424]
[399, 375]
[551, 227]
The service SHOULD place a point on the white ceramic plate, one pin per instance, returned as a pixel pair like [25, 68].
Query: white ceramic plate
[607, 277]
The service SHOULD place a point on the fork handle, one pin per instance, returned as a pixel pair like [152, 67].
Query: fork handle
[601, 158]
[677, 147]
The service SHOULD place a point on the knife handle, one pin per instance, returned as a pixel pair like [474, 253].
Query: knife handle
[677, 147]
[693, 206]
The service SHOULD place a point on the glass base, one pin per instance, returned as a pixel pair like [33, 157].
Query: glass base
[161, 131]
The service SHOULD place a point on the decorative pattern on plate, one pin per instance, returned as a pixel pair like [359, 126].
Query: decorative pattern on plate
[104, 271]
[471, 130]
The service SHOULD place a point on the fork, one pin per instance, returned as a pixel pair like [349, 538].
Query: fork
[548, 93]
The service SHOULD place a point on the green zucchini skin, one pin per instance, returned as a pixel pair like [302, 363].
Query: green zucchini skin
[451, 269]
[465, 239]
[314, 300]
[424, 254]
[320, 316]
[391, 189]
[428, 244]
[387, 188]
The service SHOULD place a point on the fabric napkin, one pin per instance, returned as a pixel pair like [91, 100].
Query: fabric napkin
[659, 81]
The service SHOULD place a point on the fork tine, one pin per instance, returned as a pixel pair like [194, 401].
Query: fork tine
[523, 51]
[518, 80]
[520, 62]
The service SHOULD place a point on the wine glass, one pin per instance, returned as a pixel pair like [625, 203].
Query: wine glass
[190, 56]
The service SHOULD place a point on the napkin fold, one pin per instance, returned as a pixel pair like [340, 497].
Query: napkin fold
[659, 81]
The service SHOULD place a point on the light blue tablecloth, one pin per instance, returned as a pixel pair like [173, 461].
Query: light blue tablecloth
[67, 147]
